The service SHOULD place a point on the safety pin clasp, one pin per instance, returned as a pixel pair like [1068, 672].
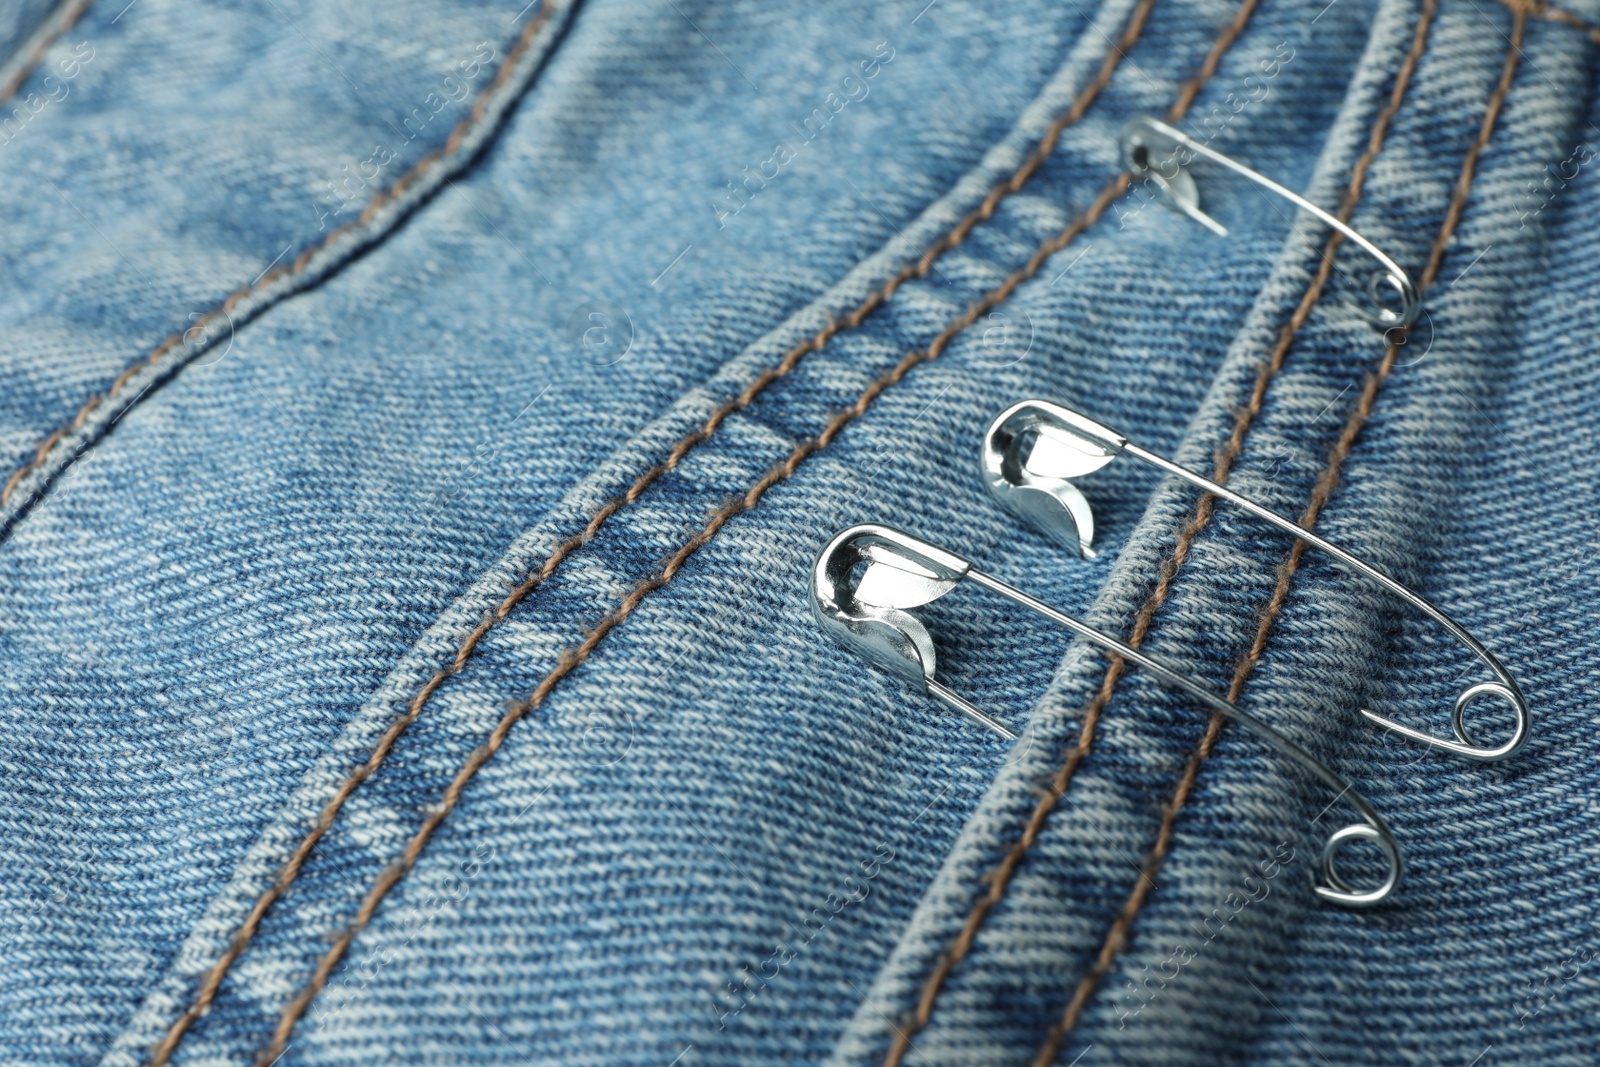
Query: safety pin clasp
[1039, 491]
[865, 611]
[1030, 457]
[863, 584]
[867, 578]
[1159, 153]
[1160, 159]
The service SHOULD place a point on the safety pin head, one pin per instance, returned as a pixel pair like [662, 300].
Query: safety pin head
[864, 608]
[1153, 154]
[1158, 153]
[1031, 453]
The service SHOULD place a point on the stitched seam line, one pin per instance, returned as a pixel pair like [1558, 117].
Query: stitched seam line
[1117, 936]
[213, 978]
[999, 879]
[919, 268]
[305, 258]
[574, 657]
[61, 20]
[395, 872]
[1551, 13]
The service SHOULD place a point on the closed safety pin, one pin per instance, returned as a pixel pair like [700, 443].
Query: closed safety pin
[1031, 452]
[1160, 153]
[867, 613]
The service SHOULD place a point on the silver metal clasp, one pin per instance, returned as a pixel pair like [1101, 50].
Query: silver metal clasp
[1161, 154]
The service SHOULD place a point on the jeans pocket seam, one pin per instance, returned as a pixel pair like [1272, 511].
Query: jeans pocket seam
[461, 143]
[569, 662]
[314, 263]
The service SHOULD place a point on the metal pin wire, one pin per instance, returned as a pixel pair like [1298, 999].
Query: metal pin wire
[1153, 148]
[1045, 497]
[870, 615]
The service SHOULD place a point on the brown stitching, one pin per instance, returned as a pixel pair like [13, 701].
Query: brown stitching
[999, 879]
[481, 755]
[1117, 936]
[1551, 13]
[383, 198]
[393, 874]
[213, 978]
[920, 268]
[984, 211]
[70, 13]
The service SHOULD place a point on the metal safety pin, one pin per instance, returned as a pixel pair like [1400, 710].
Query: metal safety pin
[1031, 452]
[1160, 153]
[867, 612]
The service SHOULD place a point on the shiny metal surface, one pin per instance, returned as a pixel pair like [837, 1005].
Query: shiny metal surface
[1030, 456]
[1158, 152]
[903, 572]
[1022, 488]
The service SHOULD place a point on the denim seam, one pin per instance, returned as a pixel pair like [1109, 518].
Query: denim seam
[1551, 13]
[16, 70]
[919, 268]
[312, 265]
[394, 873]
[486, 104]
[1122, 927]
[999, 879]
[444, 637]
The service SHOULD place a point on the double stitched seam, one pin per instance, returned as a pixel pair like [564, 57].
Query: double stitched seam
[1551, 13]
[481, 755]
[380, 752]
[62, 20]
[1121, 929]
[305, 258]
[213, 978]
[999, 879]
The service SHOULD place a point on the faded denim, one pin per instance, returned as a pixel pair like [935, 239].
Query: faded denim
[717, 838]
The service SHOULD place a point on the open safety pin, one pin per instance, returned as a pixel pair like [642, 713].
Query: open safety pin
[868, 614]
[1031, 452]
[1160, 153]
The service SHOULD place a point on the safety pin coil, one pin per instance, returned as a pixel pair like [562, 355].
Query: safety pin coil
[867, 611]
[1034, 449]
[1160, 153]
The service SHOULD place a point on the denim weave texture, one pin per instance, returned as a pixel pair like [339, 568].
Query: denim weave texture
[362, 362]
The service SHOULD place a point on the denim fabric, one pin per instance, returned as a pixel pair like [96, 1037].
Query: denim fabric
[283, 183]
[719, 839]
[1253, 993]
[18, 23]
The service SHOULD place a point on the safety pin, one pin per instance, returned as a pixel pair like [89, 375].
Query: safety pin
[1156, 151]
[1031, 452]
[868, 614]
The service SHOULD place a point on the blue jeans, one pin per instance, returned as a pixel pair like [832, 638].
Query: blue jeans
[420, 419]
